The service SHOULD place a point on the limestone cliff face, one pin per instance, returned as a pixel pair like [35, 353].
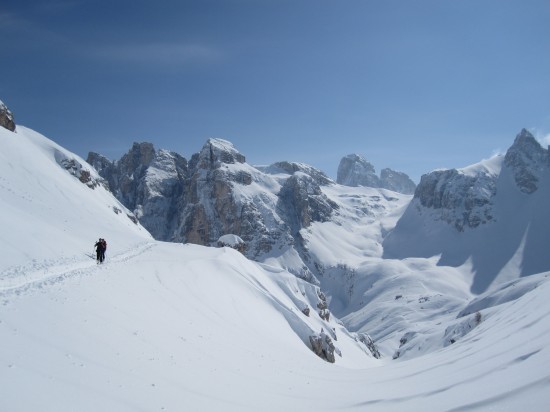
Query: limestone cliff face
[217, 193]
[464, 198]
[354, 170]
[303, 202]
[148, 182]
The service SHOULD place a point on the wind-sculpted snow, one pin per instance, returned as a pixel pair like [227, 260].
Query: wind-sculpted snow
[188, 327]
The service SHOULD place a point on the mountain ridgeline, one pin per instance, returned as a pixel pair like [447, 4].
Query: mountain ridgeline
[387, 264]
[453, 212]
[216, 193]
[492, 215]
[354, 170]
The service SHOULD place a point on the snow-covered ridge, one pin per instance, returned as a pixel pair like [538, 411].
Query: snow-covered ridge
[43, 191]
[491, 216]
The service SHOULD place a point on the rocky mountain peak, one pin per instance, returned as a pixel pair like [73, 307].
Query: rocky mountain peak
[6, 117]
[218, 151]
[527, 159]
[354, 170]
[141, 154]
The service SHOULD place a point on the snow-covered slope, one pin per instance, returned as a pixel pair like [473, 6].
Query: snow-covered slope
[165, 326]
[54, 207]
[490, 218]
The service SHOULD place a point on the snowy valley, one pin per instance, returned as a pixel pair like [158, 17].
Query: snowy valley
[353, 298]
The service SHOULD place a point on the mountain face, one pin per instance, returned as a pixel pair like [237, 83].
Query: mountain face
[354, 170]
[371, 250]
[147, 181]
[217, 193]
[502, 201]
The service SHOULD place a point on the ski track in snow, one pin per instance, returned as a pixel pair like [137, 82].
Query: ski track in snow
[19, 280]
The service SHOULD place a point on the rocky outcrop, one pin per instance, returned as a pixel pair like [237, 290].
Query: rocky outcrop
[78, 170]
[396, 181]
[6, 118]
[232, 241]
[323, 346]
[463, 200]
[365, 339]
[354, 170]
[527, 160]
[303, 202]
[148, 182]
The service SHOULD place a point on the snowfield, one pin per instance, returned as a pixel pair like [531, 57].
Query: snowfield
[172, 327]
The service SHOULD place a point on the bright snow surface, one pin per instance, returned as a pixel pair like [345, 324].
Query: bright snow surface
[176, 327]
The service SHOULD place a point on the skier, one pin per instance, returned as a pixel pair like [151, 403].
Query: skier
[100, 247]
[104, 243]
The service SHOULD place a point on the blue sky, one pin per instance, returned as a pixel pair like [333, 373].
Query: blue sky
[411, 85]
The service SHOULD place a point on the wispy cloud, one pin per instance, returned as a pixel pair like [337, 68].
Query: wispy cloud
[542, 137]
[160, 54]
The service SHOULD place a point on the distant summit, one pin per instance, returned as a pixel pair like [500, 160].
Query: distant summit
[354, 170]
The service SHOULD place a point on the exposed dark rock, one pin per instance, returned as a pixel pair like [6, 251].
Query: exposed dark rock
[462, 200]
[323, 347]
[303, 202]
[6, 117]
[527, 159]
[369, 343]
[148, 182]
[232, 241]
[79, 171]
